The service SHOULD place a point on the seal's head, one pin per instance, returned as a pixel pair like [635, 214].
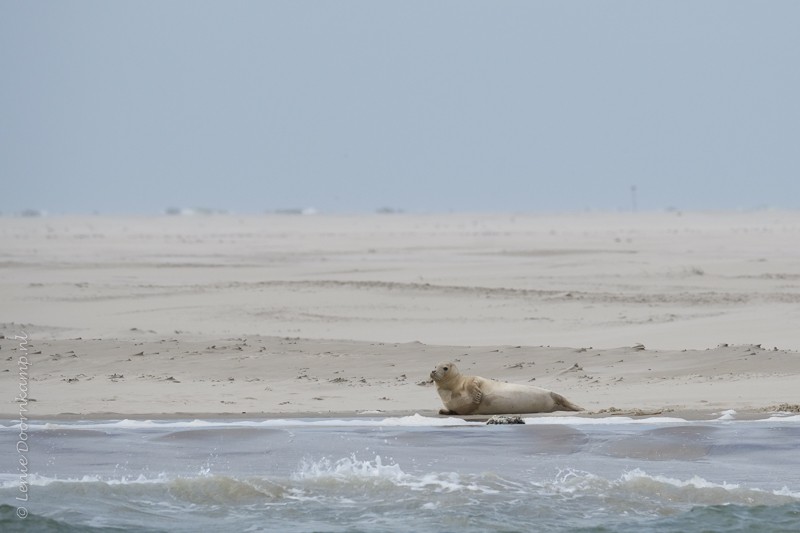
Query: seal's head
[444, 372]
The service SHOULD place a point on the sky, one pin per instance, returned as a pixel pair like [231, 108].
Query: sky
[351, 106]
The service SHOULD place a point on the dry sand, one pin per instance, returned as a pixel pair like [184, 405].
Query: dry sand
[187, 315]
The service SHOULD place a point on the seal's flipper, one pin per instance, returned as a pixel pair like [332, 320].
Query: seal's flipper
[477, 396]
[562, 404]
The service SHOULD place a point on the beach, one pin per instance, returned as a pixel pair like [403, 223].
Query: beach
[272, 372]
[269, 376]
[324, 314]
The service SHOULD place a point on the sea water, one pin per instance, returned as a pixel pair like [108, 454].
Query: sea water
[404, 474]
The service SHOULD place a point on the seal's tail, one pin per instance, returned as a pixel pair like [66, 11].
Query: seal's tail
[562, 404]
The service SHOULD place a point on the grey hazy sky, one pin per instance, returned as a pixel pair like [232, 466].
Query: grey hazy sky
[426, 106]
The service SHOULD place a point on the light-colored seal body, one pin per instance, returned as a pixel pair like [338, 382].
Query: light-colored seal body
[474, 395]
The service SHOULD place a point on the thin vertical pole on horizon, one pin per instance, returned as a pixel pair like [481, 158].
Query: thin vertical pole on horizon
[633, 198]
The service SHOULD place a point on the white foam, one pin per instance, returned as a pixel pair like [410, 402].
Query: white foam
[415, 420]
[695, 481]
[611, 420]
[37, 480]
[781, 418]
[786, 491]
[351, 469]
[695, 489]
[730, 414]
[347, 468]
[130, 424]
[322, 478]
[739, 493]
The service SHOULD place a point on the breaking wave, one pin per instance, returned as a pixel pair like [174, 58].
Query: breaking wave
[351, 475]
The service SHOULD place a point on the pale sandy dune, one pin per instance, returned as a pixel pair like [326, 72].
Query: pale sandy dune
[193, 288]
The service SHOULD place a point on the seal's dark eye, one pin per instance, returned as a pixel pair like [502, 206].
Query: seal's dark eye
[446, 369]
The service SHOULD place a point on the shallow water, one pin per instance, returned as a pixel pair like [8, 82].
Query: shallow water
[403, 474]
